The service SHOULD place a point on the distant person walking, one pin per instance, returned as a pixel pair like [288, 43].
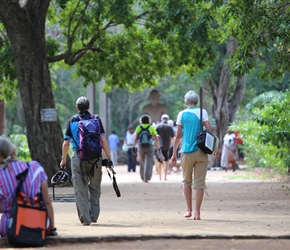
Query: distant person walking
[229, 151]
[144, 134]
[193, 161]
[239, 146]
[113, 140]
[166, 133]
[131, 155]
[171, 168]
[86, 177]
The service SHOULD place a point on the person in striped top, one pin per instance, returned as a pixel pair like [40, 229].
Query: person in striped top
[36, 181]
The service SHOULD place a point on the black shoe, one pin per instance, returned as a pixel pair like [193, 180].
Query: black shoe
[53, 232]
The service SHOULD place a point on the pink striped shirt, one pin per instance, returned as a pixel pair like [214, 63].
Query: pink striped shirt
[8, 183]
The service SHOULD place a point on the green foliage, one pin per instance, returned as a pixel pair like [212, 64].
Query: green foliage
[7, 71]
[130, 43]
[264, 99]
[21, 144]
[257, 25]
[260, 84]
[14, 116]
[267, 135]
[68, 89]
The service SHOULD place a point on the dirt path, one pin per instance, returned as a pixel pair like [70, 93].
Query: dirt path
[241, 211]
[183, 244]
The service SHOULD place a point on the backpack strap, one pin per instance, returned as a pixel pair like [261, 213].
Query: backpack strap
[76, 118]
[95, 164]
[145, 129]
[21, 178]
[96, 117]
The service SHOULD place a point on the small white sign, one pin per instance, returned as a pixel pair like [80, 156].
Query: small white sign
[48, 115]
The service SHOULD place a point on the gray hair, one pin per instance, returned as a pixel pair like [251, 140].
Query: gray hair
[191, 98]
[83, 103]
[7, 150]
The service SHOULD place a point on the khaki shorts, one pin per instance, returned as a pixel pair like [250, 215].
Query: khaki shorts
[194, 163]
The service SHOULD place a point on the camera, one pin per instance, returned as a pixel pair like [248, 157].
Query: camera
[134, 150]
[107, 163]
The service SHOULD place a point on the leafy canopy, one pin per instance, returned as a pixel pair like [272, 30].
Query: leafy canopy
[258, 24]
[131, 43]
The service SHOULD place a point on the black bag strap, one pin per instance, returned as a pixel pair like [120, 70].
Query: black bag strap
[147, 128]
[21, 178]
[200, 101]
[115, 186]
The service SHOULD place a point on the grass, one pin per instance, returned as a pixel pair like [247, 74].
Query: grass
[254, 174]
[250, 176]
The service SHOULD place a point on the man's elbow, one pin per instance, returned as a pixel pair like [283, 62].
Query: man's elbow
[66, 142]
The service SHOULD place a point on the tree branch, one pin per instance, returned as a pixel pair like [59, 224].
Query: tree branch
[69, 35]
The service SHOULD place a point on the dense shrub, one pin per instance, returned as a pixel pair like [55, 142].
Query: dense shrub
[266, 135]
[21, 144]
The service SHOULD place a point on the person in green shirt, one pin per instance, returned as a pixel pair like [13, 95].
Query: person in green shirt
[145, 133]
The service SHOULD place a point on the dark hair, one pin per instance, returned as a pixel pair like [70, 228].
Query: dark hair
[154, 91]
[83, 103]
[145, 119]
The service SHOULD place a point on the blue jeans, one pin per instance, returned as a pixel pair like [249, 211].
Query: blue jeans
[132, 160]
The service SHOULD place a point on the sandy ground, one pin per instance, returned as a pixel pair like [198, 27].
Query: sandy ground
[242, 210]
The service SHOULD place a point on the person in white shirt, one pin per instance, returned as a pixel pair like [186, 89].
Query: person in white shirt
[229, 151]
[131, 155]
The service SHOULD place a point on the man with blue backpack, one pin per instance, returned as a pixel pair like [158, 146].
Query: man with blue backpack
[86, 133]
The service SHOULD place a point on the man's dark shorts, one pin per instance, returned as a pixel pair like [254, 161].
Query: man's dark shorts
[165, 154]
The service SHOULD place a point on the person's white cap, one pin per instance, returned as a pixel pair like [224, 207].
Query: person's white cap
[170, 122]
[164, 116]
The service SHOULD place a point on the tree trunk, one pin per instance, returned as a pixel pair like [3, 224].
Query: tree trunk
[2, 117]
[237, 97]
[224, 108]
[26, 30]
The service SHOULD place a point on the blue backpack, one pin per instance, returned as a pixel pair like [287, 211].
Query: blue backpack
[90, 146]
[144, 137]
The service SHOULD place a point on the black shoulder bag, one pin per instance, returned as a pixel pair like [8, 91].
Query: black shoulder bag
[205, 139]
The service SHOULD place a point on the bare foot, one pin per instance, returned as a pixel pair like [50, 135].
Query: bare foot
[196, 217]
[187, 214]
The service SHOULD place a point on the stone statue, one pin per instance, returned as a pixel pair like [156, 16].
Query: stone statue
[154, 109]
